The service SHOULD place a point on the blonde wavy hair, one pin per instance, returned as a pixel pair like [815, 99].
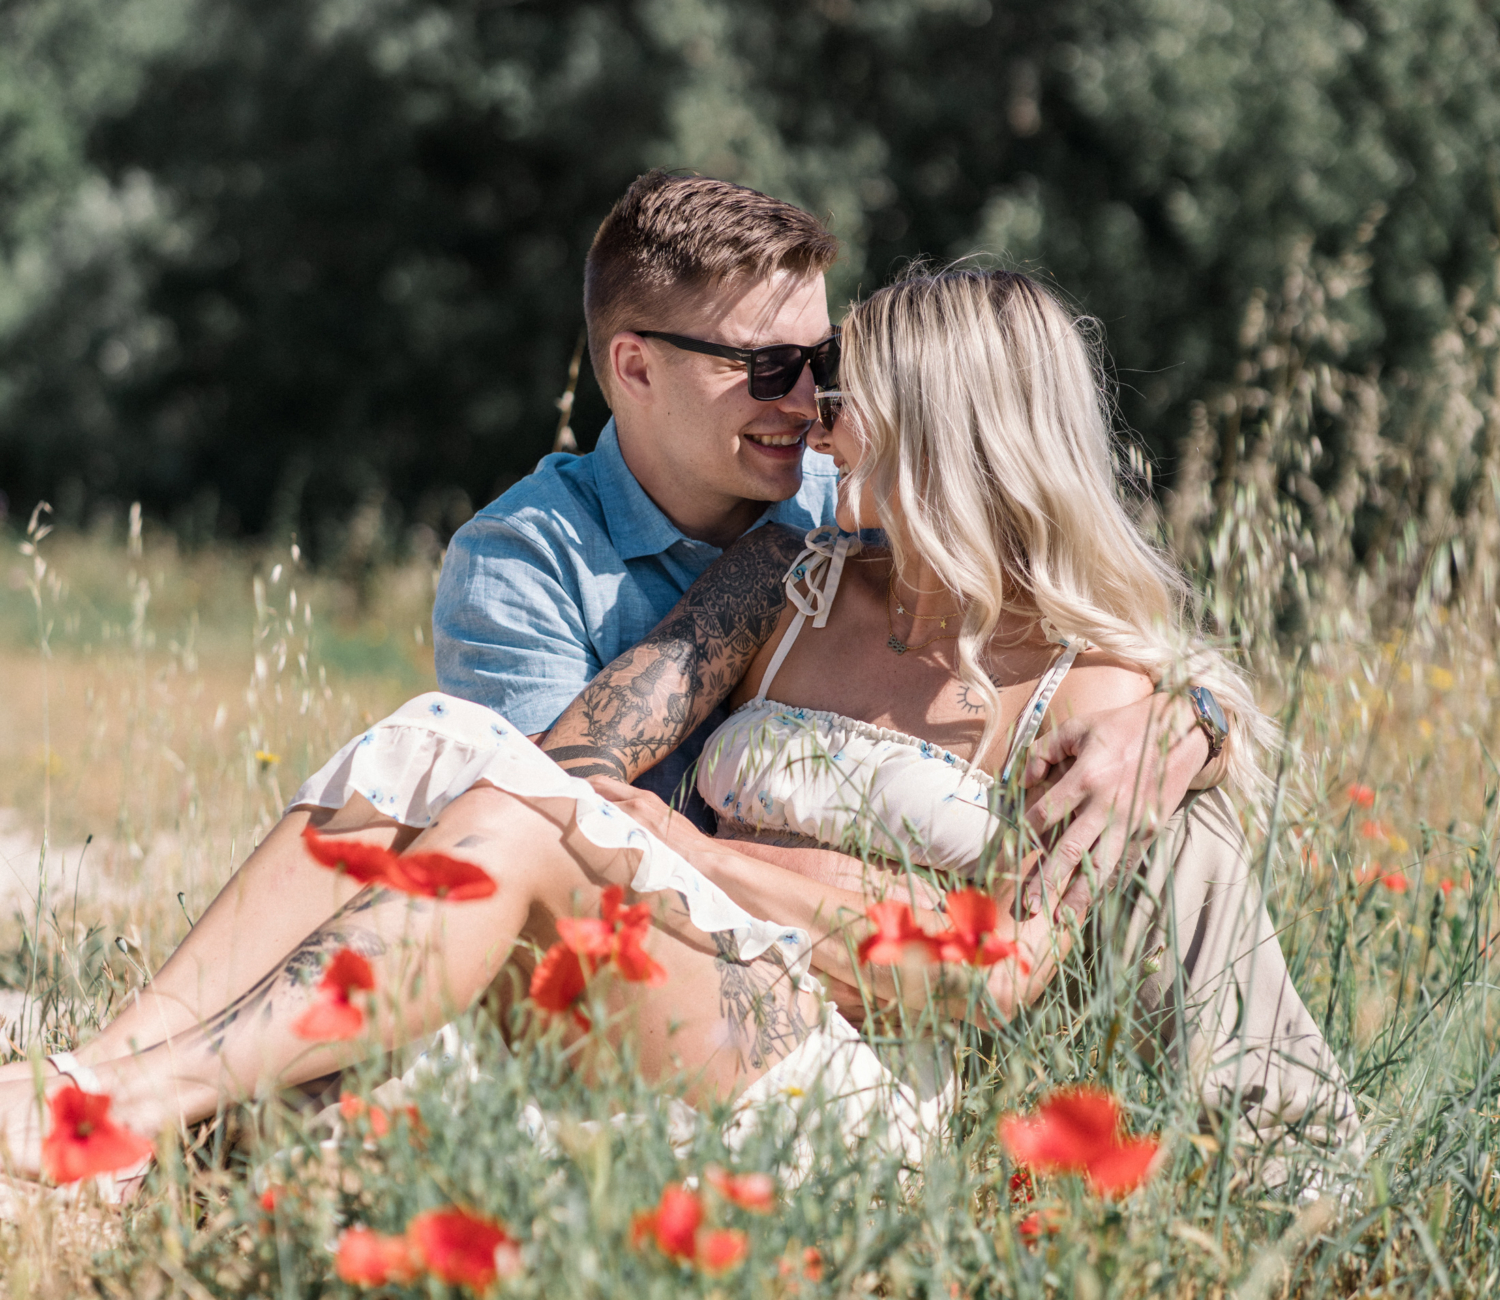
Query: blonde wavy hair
[985, 417]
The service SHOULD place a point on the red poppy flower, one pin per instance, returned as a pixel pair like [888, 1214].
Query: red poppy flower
[463, 1248]
[332, 1015]
[754, 1192]
[634, 963]
[270, 1197]
[1076, 1130]
[558, 982]
[1373, 830]
[896, 934]
[429, 875]
[367, 863]
[1022, 1189]
[436, 875]
[1040, 1223]
[1446, 886]
[367, 1258]
[673, 1224]
[635, 917]
[973, 916]
[1397, 884]
[353, 1108]
[617, 935]
[812, 1268]
[84, 1141]
[1124, 1167]
[1362, 796]
[721, 1249]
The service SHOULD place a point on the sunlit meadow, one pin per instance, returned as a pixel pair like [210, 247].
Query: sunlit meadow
[162, 705]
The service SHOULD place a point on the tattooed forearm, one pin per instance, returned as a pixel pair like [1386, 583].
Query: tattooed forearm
[588, 760]
[765, 1023]
[644, 704]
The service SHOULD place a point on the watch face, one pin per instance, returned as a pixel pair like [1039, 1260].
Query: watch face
[1209, 708]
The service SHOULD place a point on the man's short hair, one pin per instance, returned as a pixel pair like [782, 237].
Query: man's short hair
[671, 236]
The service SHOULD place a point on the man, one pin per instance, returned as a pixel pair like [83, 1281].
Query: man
[578, 562]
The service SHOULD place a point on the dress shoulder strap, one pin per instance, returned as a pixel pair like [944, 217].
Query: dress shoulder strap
[816, 571]
[1030, 721]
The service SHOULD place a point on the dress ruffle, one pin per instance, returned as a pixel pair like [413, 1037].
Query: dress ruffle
[432, 749]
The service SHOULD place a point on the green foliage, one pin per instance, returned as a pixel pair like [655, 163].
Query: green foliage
[265, 262]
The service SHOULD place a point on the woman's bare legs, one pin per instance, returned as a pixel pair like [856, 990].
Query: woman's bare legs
[276, 898]
[722, 1021]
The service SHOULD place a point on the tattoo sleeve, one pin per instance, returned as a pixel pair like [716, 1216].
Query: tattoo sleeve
[644, 704]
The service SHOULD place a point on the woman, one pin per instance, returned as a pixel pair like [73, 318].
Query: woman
[973, 430]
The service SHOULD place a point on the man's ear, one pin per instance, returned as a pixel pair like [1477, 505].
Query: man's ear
[631, 368]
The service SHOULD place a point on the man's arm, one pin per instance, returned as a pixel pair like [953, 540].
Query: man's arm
[644, 704]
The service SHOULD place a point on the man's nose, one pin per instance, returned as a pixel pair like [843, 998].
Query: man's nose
[800, 402]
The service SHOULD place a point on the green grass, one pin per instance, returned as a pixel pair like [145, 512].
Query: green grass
[168, 703]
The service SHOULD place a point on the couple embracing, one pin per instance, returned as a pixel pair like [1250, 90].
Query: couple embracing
[827, 618]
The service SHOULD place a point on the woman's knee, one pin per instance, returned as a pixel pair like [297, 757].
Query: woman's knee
[528, 843]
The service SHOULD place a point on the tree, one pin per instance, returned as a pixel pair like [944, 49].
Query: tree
[343, 258]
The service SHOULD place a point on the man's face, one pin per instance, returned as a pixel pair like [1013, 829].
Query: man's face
[703, 441]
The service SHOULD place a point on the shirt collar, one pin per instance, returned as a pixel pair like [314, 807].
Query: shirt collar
[634, 521]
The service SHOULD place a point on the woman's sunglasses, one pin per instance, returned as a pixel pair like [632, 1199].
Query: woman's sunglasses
[830, 402]
[774, 369]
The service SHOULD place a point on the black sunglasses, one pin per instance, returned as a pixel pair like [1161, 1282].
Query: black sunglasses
[774, 369]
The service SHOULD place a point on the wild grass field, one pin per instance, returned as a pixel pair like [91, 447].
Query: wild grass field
[161, 705]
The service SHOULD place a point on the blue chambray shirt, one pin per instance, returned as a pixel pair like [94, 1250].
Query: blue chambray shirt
[567, 570]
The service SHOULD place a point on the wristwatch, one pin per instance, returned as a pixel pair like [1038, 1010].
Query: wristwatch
[1210, 717]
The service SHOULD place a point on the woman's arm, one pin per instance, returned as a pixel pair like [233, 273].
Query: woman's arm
[650, 699]
[834, 917]
[826, 893]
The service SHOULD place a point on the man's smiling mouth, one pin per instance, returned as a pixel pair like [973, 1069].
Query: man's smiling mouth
[775, 439]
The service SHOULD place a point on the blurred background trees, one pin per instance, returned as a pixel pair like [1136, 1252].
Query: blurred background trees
[315, 265]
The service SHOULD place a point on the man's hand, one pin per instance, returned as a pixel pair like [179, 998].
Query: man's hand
[1130, 769]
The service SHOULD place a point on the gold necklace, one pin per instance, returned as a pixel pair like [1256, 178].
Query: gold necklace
[890, 588]
[894, 642]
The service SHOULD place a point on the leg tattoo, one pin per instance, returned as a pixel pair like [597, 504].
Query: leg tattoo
[761, 1025]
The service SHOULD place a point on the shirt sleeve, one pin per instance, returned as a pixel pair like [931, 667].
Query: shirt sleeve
[507, 625]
